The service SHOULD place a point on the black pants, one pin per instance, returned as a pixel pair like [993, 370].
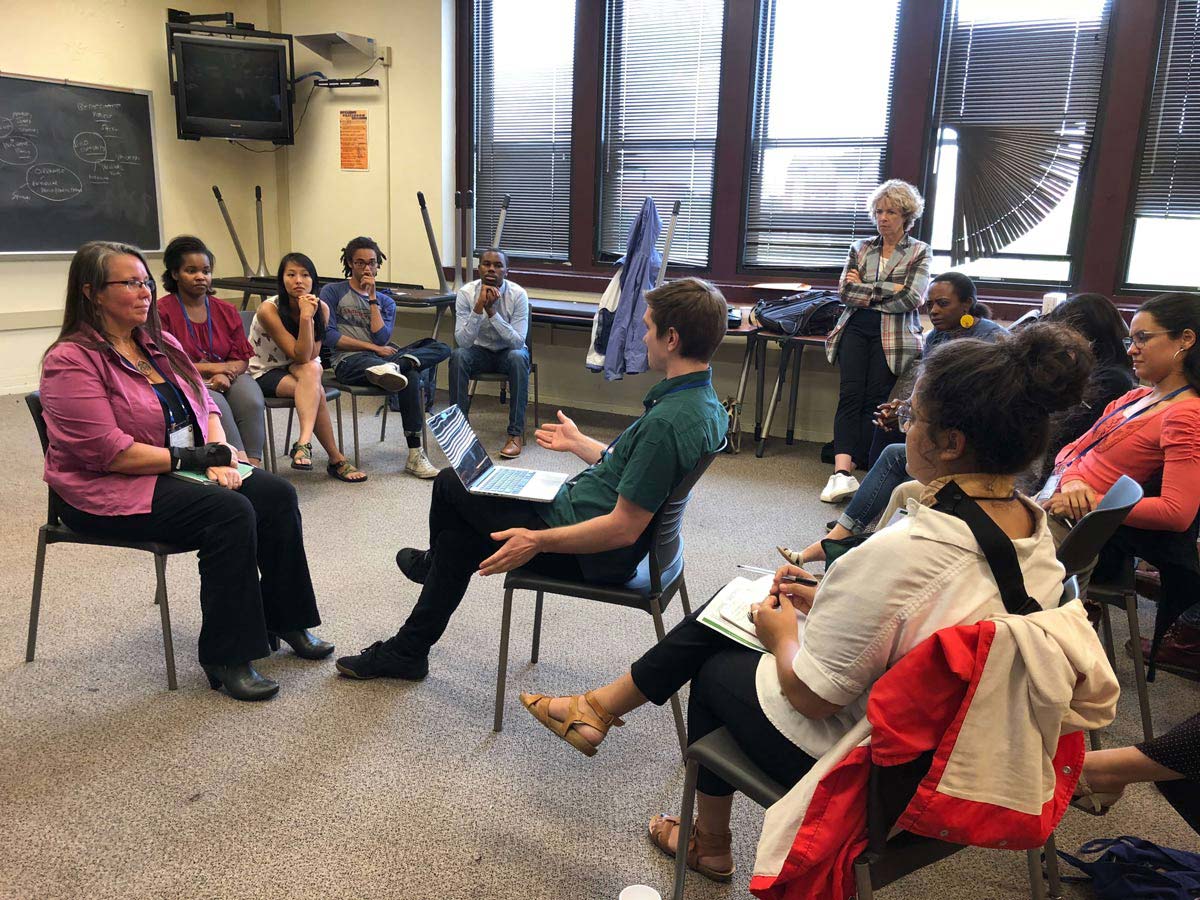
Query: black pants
[1179, 751]
[866, 382]
[460, 525]
[239, 534]
[723, 694]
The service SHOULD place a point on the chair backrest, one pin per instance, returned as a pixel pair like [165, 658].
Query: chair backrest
[34, 402]
[666, 528]
[248, 319]
[1084, 542]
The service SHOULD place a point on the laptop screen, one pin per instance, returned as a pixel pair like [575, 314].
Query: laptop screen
[462, 448]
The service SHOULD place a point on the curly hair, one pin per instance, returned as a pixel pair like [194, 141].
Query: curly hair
[900, 194]
[360, 243]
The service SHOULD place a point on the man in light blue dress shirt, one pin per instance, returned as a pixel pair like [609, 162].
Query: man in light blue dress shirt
[491, 325]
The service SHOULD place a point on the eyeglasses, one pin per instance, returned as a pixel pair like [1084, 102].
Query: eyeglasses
[364, 264]
[1139, 338]
[904, 418]
[133, 284]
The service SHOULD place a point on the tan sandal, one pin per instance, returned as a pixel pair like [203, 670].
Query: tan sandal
[598, 717]
[700, 843]
[1092, 802]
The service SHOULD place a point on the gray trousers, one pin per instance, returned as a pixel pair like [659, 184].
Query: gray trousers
[242, 414]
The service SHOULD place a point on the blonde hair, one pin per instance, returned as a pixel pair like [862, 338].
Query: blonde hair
[901, 195]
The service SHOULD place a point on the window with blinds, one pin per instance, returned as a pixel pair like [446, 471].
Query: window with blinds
[1019, 87]
[1167, 204]
[818, 140]
[662, 72]
[524, 67]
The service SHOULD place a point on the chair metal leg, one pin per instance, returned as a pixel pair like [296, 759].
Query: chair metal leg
[864, 890]
[1094, 740]
[1051, 852]
[383, 424]
[1110, 649]
[35, 604]
[502, 668]
[1037, 886]
[272, 465]
[160, 571]
[537, 628]
[683, 598]
[537, 417]
[1139, 665]
[676, 709]
[287, 437]
[337, 405]
[354, 425]
[791, 420]
[685, 826]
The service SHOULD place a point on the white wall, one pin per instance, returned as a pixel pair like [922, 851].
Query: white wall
[122, 44]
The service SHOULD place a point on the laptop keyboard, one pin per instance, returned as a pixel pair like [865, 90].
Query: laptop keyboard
[507, 481]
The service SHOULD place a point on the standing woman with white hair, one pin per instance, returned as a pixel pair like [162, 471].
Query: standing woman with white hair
[878, 335]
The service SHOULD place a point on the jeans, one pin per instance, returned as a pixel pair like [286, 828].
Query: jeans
[888, 473]
[242, 415]
[723, 694]
[240, 534]
[467, 362]
[352, 370]
[866, 381]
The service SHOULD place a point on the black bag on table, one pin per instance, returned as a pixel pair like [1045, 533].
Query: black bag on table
[805, 313]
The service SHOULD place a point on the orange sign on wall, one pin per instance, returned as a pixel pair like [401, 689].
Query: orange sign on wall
[353, 131]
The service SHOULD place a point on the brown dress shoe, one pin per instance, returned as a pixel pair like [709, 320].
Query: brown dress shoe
[512, 447]
[1179, 652]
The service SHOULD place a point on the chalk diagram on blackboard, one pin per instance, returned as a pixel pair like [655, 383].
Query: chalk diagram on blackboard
[97, 151]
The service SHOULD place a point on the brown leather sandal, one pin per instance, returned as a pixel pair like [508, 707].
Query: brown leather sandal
[700, 843]
[601, 719]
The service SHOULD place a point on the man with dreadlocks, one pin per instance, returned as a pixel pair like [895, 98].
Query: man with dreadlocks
[361, 319]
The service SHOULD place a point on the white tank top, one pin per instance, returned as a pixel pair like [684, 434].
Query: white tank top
[267, 354]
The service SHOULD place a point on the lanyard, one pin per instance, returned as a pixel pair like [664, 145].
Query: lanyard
[167, 411]
[675, 390]
[1092, 446]
[211, 355]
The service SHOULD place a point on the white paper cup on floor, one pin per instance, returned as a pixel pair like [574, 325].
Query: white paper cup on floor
[639, 892]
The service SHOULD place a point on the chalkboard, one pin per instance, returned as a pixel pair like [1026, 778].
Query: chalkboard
[76, 165]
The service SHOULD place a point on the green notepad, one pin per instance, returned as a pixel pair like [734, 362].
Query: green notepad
[200, 478]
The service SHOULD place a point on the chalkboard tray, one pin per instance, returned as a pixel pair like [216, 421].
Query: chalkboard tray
[77, 164]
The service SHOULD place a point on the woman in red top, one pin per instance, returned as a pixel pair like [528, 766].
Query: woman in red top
[212, 335]
[1148, 431]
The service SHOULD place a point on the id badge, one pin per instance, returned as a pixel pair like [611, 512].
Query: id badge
[182, 437]
[1049, 488]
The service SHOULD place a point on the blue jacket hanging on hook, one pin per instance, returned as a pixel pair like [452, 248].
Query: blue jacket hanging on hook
[624, 352]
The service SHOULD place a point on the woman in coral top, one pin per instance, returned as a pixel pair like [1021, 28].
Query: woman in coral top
[1147, 432]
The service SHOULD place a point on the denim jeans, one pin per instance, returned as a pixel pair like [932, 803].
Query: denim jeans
[889, 471]
[467, 362]
[353, 370]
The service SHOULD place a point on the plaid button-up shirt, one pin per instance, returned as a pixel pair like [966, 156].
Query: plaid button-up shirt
[895, 290]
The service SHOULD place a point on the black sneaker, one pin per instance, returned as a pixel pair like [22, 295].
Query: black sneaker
[415, 564]
[380, 661]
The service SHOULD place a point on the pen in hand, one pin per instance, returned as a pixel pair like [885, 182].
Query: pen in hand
[786, 579]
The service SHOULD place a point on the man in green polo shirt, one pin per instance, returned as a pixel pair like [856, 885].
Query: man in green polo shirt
[596, 528]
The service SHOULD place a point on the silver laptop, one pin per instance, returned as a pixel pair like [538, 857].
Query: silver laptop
[475, 468]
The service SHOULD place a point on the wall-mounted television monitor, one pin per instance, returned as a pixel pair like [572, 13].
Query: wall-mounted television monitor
[231, 89]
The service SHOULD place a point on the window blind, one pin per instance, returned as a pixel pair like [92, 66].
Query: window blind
[1021, 96]
[524, 67]
[817, 144]
[662, 71]
[1169, 180]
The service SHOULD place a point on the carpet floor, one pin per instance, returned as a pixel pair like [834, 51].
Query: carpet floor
[113, 787]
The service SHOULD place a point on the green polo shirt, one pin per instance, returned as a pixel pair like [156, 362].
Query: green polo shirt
[683, 422]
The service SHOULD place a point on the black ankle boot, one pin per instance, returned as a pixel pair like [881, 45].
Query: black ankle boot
[241, 682]
[306, 645]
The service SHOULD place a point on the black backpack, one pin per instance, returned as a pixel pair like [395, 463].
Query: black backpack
[806, 313]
